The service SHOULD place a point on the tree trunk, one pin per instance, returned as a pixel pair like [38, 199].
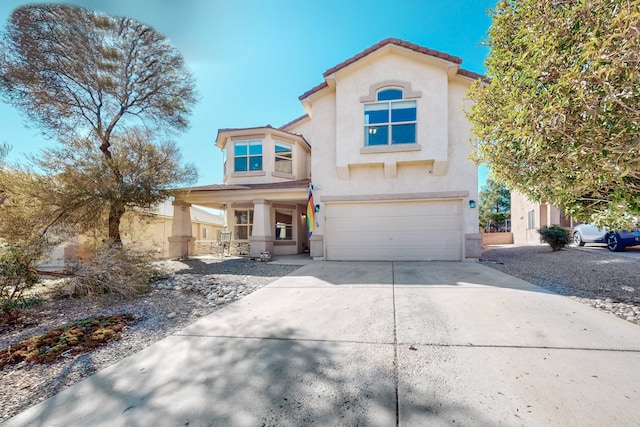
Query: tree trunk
[116, 212]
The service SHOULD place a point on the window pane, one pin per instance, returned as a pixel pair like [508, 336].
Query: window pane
[242, 232]
[242, 217]
[387, 94]
[283, 165]
[376, 113]
[284, 232]
[240, 149]
[282, 148]
[255, 163]
[403, 111]
[255, 147]
[403, 134]
[240, 164]
[376, 135]
[284, 228]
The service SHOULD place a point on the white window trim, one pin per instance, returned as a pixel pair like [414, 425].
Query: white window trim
[247, 156]
[389, 124]
[275, 157]
[292, 213]
[249, 224]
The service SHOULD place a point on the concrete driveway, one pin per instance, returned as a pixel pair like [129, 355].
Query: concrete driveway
[375, 344]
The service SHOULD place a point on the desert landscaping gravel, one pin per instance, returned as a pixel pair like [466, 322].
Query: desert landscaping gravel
[604, 280]
[197, 287]
[191, 289]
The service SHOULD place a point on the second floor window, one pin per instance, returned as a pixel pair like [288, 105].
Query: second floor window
[391, 120]
[284, 161]
[247, 156]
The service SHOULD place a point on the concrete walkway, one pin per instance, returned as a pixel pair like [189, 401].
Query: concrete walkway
[375, 344]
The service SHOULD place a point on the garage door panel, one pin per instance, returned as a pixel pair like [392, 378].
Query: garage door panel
[394, 231]
[398, 210]
[342, 224]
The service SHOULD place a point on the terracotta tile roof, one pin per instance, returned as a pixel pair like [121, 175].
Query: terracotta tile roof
[313, 90]
[472, 75]
[394, 41]
[304, 183]
[294, 121]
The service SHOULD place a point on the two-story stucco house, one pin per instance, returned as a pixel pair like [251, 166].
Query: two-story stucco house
[385, 146]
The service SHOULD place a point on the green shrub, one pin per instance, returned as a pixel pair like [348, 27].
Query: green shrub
[557, 237]
[17, 274]
[20, 303]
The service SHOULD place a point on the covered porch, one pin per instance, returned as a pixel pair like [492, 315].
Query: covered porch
[258, 217]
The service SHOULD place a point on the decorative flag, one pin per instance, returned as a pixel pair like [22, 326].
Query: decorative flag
[311, 212]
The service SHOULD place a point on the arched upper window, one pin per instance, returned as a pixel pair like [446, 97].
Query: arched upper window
[390, 120]
[389, 94]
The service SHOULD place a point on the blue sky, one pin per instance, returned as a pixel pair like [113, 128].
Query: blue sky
[253, 58]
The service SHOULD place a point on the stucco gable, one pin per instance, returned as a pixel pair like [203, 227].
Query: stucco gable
[454, 61]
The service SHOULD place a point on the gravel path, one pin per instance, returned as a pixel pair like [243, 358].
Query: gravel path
[602, 279]
[193, 289]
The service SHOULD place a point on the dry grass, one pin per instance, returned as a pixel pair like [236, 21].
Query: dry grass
[115, 271]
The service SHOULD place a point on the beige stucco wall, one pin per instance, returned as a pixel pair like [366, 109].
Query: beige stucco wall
[303, 127]
[341, 169]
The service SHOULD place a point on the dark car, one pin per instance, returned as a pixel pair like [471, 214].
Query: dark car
[616, 241]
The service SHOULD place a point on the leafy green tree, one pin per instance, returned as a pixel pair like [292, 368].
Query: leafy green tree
[81, 75]
[559, 119]
[495, 203]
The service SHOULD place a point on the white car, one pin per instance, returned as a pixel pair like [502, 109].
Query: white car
[587, 233]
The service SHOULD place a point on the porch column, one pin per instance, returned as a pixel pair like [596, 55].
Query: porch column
[261, 239]
[181, 242]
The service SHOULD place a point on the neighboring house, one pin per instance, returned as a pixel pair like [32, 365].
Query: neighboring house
[528, 217]
[205, 227]
[147, 233]
[385, 144]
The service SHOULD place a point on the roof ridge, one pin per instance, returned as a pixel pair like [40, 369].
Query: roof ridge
[391, 40]
[302, 117]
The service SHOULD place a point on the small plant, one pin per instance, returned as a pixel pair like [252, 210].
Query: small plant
[557, 237]
[20, 303]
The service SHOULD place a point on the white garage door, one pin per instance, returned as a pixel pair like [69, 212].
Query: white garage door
[386, 231]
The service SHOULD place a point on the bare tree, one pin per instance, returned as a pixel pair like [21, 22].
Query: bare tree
[81, 187]
[82, 75]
